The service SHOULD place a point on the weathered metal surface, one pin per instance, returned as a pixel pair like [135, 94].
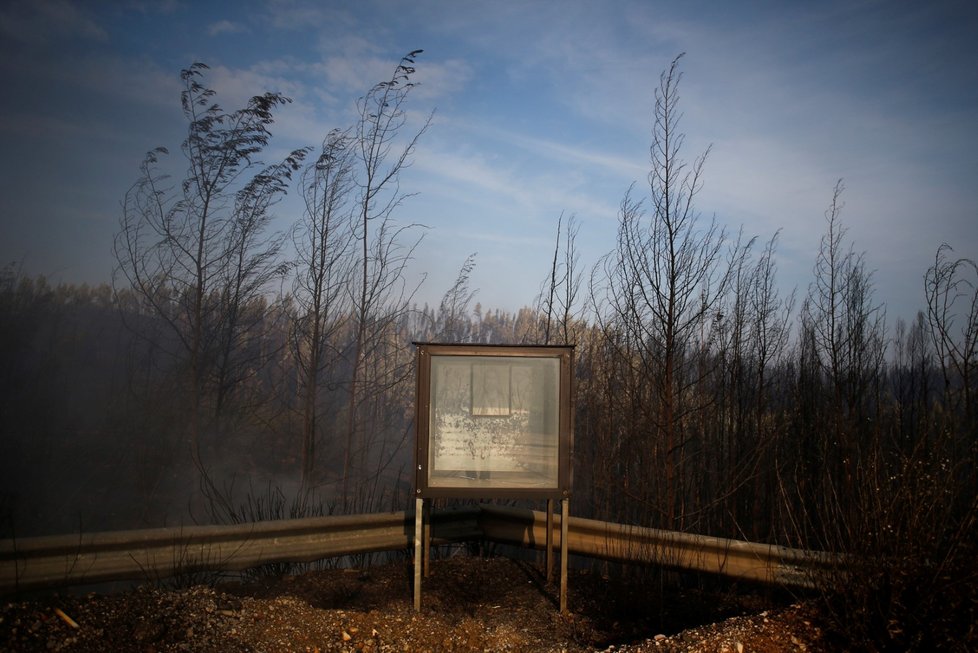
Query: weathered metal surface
[44, 562]
[564, 549]
[418, 536]
[151, 554]
[685, 551]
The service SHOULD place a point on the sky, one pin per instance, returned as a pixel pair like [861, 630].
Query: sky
[542, 109]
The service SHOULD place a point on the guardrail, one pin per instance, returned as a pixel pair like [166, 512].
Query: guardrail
[45, 562]
[151, 554]
[737, 559]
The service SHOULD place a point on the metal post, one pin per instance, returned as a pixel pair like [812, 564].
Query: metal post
[418, 519]
[564, 518]
[426, 534]
[550, 540]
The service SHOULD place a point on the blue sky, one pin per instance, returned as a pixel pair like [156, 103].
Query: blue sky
[542, 108]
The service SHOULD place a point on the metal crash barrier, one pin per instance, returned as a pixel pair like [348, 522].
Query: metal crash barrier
[153, 554]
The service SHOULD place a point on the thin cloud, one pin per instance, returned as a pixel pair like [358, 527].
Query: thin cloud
[508, 239]
[225, 27]
[355, 74]
[298, 15]
[499, 189]
[474, 171]
[611, 163]
[441, 79]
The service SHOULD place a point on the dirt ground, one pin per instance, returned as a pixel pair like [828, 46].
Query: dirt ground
[469, 604]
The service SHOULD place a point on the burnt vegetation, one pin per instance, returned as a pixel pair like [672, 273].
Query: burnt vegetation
[225, 374]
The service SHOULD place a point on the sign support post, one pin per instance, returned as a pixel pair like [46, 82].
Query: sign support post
[564, 518]
[550, 540]
[418, 519]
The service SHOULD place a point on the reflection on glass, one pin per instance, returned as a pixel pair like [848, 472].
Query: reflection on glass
[490, 390]
[494, 422]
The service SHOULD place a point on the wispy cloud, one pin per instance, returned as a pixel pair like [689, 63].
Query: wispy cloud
[225, 27]
[473, 171]
[301, 15]
[607, 161]
[441, 78]
[352, 74]
[507, 191]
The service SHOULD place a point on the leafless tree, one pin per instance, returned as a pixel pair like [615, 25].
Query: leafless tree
[324, 253]
[848, 326]
[769, 336]
[657, 294]
[951, 289]
[199, 253]
[913, 377]
[849, 346]
[379, 294]
[558, 298]
[452, 322]
[751, 336]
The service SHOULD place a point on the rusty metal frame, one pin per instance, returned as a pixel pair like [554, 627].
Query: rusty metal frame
[565, 442]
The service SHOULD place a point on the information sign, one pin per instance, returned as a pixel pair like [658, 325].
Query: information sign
[494, 421]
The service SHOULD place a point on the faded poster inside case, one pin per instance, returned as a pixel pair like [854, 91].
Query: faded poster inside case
[494, 422]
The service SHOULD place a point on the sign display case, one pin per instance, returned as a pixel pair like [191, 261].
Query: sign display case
[494, 421]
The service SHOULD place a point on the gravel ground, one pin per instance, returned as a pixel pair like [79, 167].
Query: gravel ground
[469, 604]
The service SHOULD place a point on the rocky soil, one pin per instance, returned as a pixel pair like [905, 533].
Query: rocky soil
[469, 604]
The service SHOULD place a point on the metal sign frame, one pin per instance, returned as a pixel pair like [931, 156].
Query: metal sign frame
[482, 357]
